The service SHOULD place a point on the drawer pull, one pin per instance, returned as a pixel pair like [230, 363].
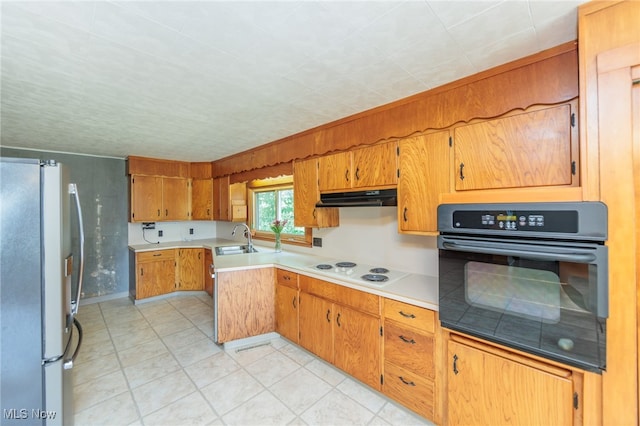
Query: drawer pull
[404, 339]
[455, 364]
[157, 254]
[406, 315]
[286, 278]
[406, 382]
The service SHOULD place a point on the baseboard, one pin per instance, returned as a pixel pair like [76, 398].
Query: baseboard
[105, 298]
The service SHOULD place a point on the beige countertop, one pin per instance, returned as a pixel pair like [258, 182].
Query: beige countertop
[416, 289]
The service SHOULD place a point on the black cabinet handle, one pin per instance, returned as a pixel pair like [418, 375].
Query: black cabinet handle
[406, 315]
[338, 320]
[328, 313]
[294, 302]
[461, 171]
[405, 381]
[404, 214]
[357, 173]
[404, 339]
[346, 175]
[455, 364]
[314, 214]
[158, 212]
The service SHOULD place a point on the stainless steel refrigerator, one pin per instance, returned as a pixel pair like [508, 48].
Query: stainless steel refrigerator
[40, 336]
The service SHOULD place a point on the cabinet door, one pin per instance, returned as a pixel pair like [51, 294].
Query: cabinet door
[146, 198]
[175, 198]
[316, 332]
[334, 171]
[287, 312]
[155, 277]
[375, 166]
[525, 150]
[306, 195]
[191, 269]
[357, 345]
[484, 388]
[221, 198]
[424, 175]
[202, 199]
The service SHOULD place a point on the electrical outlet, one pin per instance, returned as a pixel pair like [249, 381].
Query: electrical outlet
[317, 242]
[190, 231]
[160, 233]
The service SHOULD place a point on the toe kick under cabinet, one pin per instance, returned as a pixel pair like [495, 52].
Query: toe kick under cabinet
[410, 374]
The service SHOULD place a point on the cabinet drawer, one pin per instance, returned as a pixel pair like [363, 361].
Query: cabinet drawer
[413, 316]
[366, 302]
[152, 256]
[290, 279]
[409, 389]
[409, 348]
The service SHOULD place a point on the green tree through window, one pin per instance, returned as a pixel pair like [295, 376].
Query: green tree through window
[273, 204]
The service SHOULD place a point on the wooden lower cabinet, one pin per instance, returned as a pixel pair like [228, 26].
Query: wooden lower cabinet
[208, 270]
[190, 269]
[287, 301]
[155, 273]
[410, 361]
[486, 385]
[346, 336]
[246, 303]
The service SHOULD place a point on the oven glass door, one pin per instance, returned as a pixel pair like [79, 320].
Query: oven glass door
[545, 300]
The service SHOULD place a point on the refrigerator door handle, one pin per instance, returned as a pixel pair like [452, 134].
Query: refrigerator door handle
[68, 363]
[73, 190]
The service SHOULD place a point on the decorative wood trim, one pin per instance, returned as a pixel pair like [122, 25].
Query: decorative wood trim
[548, 77]
[157, 167]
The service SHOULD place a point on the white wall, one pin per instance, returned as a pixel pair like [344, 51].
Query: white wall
[172, 231]
[366, 234]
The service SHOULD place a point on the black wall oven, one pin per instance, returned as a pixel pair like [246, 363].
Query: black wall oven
[531, 276]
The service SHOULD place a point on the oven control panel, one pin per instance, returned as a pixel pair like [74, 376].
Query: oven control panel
[565, 221]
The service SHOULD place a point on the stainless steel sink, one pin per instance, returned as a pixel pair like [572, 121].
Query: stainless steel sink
[236, 249]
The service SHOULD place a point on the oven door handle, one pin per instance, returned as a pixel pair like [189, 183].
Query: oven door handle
[516, 251]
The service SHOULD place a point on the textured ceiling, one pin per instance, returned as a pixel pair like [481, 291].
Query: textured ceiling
[199, 81]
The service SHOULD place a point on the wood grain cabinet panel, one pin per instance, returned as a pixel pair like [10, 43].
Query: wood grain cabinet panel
[424, 174]
[528, 149]
[146, 198]
[175, 199]
[155, 273]
[375, 167]
[305, 196]
[410, 357]
[191, 269]
[484, 388]
[202, 199]
[246, 303]
[342, 326]
[287, 301]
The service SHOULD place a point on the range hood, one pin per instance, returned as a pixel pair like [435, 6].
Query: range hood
[378, 197]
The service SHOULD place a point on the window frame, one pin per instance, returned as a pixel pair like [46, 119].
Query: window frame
[273, 184]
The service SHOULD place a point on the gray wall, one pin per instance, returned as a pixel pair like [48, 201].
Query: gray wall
[102, 185]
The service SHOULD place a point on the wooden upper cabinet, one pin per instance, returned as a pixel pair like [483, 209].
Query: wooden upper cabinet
[176, 197]
[370, 167]
[202, 199]
[156, 198]
[221, 198]
[146, 198]
[529, 149]
[305, 196]
[423, 162]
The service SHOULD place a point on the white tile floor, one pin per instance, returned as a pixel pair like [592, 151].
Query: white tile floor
[156, 364]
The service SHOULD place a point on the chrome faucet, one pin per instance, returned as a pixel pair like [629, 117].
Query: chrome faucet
[247, 233]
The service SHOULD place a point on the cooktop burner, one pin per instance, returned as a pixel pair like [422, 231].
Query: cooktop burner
[346, 265]
[378, 270]
[375, 277]
[324, 266]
